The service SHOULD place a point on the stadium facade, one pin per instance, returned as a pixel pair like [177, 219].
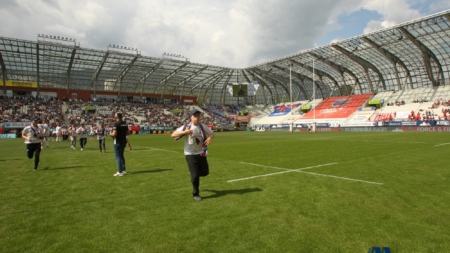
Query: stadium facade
[411, 55]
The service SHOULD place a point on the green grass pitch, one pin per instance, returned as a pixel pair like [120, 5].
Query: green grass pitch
[266, 192]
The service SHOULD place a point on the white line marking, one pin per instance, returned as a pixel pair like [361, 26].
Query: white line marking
[285, 170]
[299, 171]
[164, 150]
[442, 144]
[310, 167]
[265, 175]
[345, 178]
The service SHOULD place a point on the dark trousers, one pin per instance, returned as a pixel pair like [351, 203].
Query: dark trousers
[119, 149]
[34, 149]
[198, 167]
[83, 142]
[101, 144]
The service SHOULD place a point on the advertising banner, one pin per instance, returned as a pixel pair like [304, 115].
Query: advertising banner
[7, 136]
[16, 124]
[283, 110]
[19, 84]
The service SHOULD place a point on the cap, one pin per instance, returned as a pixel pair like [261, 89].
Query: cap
[194, 111]
[34, 118]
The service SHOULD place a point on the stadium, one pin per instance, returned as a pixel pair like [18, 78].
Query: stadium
[338, 148]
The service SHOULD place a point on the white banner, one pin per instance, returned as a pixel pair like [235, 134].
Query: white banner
[17, 124]
[105, 112]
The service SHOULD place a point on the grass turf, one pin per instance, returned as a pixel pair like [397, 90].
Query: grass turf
[74, 204]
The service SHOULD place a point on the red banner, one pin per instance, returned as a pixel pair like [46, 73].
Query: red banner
[337, 107]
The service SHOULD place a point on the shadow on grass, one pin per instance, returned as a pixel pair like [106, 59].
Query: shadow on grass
[63, 168]
[218, 194]
[147, 171]
[4, 160]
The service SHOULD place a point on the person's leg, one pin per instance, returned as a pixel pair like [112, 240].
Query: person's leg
[37, 155]
[100, 145]
[122, 157]
[103, 144]
[30, 150]
[118, 153]
[203, 166]
[193, 164]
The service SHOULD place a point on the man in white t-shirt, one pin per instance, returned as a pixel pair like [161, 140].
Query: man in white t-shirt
[45, 130]
[82, 133]
[73, 136]
[33, 138]
[198, 137]
[58, 132]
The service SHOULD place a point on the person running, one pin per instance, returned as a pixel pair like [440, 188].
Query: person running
[101, 137]
[198, 137]
[73, 136]
[45, 130]
[58, 132]
[91, 133]
[119, 133]
[82, 133]
[33, 138]
[65, 133]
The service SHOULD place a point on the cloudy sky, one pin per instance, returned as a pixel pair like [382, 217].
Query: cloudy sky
[230, 33]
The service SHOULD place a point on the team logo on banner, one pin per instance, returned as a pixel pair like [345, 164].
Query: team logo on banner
[341, 102]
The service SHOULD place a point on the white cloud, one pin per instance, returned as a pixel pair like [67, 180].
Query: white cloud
[393, 12]
[237, 33]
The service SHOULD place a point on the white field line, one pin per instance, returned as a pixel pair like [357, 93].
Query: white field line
[442, 144]
[285, 170]
[299, 171]
[165, 150]
[345, 178]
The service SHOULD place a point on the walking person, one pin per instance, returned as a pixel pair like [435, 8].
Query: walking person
[65, 133]
[33, 138]
[73, 136]
[45, 131]
[91, 133]
[82, 133]
[119, 133]
[101, 137]
[198, 137]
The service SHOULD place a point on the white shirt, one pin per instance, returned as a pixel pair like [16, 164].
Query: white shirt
[193, 143]
[31, 132]
[45, 129]
[81, 132]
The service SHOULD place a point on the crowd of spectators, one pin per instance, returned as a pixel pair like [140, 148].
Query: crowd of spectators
[21, 109]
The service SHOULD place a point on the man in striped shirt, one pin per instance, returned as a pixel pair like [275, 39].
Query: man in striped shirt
[33, 138]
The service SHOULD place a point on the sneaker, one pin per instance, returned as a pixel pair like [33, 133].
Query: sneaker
[35, 170]
[81, 149]
[197, 198]
[124, 172]
[118, 174]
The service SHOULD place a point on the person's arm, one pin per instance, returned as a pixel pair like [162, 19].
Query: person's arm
[209, 139]
[113, 133]
[181, 133]
[24, 135]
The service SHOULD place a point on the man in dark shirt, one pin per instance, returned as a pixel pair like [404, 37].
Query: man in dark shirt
[119, 133]
[241, 92]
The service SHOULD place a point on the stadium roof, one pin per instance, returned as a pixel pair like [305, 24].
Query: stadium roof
[407, 56]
